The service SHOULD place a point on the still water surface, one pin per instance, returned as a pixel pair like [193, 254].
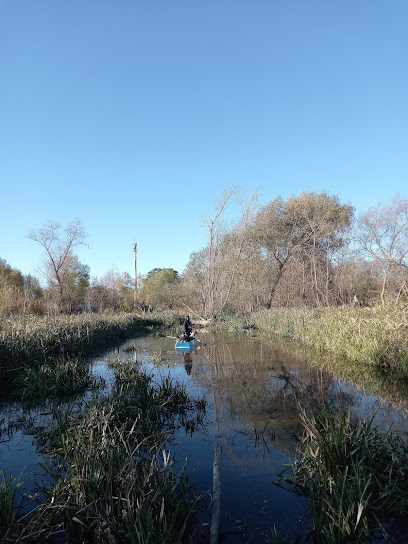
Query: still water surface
[254, 387]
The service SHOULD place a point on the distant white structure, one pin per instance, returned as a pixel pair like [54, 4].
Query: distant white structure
[135, 288]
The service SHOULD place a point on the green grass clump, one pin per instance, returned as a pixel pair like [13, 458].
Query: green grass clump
[57, 378]
[355, 477]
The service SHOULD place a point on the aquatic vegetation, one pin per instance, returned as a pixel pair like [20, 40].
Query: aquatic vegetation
[112, 476]
[228, 323]
[56, 378]
[31, 338]
[376, 335]
[168, 320]
[354, 476]
[157, 357]
[276, 538]
[33, 341]
[8, 499]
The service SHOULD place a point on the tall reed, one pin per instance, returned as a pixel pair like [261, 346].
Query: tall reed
[9, 505]
[24, 339]
[377, 335]
[228, 323]
[355, 477]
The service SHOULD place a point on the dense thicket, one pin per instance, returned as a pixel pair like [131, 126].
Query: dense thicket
[307, 250]
[18, 293]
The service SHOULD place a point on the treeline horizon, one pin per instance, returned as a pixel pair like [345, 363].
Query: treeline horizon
[306, 250]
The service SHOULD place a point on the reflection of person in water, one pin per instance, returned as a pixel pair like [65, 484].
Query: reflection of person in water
[188, 362]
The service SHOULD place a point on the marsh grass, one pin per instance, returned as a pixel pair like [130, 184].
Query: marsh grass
[166, 320]
[9, 505]
[229, 323]
[57, 378]
[376, 336]
[113, 478]
[25, 339]
[354, 477]
[276, 538]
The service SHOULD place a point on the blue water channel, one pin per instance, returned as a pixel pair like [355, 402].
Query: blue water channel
[254, 388]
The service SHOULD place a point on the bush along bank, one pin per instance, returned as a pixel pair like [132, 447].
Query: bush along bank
[112, 477]
[376, 335]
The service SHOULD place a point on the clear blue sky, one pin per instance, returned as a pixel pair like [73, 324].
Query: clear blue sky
[133, 116]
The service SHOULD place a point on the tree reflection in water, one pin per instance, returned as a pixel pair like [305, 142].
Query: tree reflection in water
[255, 387]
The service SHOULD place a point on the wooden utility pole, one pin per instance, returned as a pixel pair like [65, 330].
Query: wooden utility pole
[135, 287]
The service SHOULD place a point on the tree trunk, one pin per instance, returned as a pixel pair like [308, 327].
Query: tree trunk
[275, 285]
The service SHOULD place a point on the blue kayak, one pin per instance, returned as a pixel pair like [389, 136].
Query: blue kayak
[186, 346]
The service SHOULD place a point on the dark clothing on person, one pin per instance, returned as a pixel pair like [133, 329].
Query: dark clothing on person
[188, 327]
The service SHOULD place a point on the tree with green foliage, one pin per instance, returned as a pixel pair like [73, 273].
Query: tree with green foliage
[19, 293]
[305, 231]
[11, 285]
[161, 288]
[278, 239]
[76, 280]
[33, 294]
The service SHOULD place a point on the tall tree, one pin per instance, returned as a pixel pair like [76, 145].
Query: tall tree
[278, 238]
[114, 290]
[214, 225]
[194, 281]
[76, 280]
[323, 223]
[33, 294]
[307, 229]
[59, 244]
[11, 285]
[161, 287]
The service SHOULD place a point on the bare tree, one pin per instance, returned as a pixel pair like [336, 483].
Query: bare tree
[234, 245]
[58, 244]
[214, 225]
[382, 235]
